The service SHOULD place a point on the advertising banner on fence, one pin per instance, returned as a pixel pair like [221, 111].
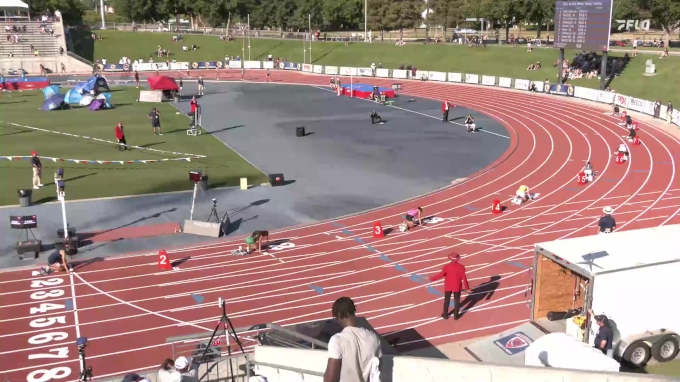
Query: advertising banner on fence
[365, 72]
[471, 79]
[399, 73]
[522, 84]
[333, 70]
[318, 69]
[290, 65]
[621, 100]
[252, 64]
[235, 64]
[384, 73]
[539, 86]
[207, 65]
[346, 71]
[455, 77]
[179, 65]
[268, 65]
[504, 82]
[636, 104]
[489, 80]
[676, 116]
[648, 107]
[115, 67]
[437, 76]
[307, 68]
[559, 89]
[586, 93]
[606, 97]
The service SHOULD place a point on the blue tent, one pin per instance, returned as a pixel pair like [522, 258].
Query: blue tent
[73, 97]
[49, 91]
[94, 83]
[107, 99]
[97, 104]
[53, 103]
[79, 87]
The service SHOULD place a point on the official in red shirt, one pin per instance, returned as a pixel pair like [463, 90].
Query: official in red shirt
[445, 111]
[120, 136]
[194, 109]
[454, 280]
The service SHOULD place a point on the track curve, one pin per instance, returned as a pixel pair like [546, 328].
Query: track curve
[125, 304]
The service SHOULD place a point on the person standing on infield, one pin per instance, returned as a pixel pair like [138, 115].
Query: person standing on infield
[37, 170]
[454, 280]
[354, 354]
[120, 136]
[445, 111]
[137, 79]
[155, 117]
[201, 85]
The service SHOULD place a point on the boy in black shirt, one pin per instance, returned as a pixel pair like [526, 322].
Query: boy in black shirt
[605, 335]
[37, 170]
[201, 85]
[155, 117]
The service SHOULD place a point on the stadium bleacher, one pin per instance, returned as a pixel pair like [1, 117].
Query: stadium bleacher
[37, 35]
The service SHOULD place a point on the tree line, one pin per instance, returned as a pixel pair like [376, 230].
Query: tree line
[339, 15]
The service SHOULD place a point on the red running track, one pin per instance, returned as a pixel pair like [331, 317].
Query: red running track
[126, 304]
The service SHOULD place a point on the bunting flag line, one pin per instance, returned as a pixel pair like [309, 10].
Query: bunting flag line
[90, 161]
[101, 140]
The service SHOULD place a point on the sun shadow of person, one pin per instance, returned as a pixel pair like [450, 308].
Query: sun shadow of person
[481, 292]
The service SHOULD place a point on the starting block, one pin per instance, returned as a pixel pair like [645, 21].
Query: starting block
[193, 131]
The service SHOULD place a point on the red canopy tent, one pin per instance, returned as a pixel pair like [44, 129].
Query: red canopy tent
[162, 83]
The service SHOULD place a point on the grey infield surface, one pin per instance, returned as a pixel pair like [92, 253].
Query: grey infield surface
[344, 165]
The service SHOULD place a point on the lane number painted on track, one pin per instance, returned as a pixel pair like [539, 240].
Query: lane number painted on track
[377, 230]
[56, 373]
[282, 246]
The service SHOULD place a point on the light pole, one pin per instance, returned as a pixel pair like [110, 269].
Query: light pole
[365, 20]
[101, 10]
[311, 38]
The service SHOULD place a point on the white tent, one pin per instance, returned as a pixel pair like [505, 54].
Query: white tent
[12, 4]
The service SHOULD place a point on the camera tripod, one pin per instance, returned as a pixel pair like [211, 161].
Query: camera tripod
[225, 329]
[86, 373]
[214, 217]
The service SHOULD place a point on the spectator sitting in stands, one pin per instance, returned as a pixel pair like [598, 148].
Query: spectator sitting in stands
[166, 370]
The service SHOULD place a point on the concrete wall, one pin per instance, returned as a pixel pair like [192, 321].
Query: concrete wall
[52, 64]
[410, 369]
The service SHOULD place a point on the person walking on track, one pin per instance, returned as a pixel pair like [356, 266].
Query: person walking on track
[454, 281]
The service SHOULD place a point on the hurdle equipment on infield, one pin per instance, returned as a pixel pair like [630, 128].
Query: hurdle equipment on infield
[378, 230]
[496, 207]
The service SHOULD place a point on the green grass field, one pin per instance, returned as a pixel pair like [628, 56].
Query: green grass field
[503, 61]
[223, 166]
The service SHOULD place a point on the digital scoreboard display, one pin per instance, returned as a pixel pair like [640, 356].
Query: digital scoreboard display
[583, 25]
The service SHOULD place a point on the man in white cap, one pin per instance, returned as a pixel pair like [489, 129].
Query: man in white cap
[607, 224]
[183, 366]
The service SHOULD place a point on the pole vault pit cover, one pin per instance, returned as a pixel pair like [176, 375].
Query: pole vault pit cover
[506, 348]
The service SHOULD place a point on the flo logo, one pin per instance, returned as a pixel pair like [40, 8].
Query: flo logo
[633, 25]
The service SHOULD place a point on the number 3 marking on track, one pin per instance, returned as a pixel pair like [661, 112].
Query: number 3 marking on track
[47, 294]
[48, 374]
[286, 245]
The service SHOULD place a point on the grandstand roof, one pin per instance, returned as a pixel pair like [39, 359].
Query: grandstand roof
[12, 4]
[619, 250]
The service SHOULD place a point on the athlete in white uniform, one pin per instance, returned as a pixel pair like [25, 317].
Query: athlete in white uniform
[588, 170]
[624, 150]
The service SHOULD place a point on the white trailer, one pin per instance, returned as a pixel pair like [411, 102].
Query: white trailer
[628, 276]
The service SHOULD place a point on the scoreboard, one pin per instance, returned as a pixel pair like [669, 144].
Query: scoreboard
[583, 25]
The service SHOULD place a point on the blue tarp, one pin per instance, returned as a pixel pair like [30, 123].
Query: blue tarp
[97, 104]
[94, 83]
[26, 79]
[53, 103]
[51, 90]
[107, 99]
[73, 97]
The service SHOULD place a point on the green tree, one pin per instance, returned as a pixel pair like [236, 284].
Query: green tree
[72, 11]
[136, 10]
[343, 14]
[505, 12]
[666, 13]
[378, 16]
[538, 12]
[406, 14]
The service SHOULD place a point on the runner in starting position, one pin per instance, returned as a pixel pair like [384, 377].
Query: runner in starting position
[523, 194]
[56, 262]
[588, 170]
[622, 150]
[411, 217]
[256, 239]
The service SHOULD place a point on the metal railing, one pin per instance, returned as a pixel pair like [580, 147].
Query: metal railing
[80, 58]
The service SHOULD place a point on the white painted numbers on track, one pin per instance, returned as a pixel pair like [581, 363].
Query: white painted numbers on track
[62, 352]
[282, 246]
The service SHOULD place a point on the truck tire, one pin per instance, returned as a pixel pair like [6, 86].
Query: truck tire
[665, 349]
[637, 354]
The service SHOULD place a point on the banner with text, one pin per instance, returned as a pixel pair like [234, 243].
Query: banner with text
[489, 80]
[207, 65]
[522, 84]
[318, 69]
[505, 82]
[290, 65]
[455, 77]
[621, 100]
[147, 66]
[437, 76]
[332, 70]
[115, 67]
[471, 79]
[179, 65]
[560, 89]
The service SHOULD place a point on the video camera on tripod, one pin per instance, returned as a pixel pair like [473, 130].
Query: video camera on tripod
[86, 373]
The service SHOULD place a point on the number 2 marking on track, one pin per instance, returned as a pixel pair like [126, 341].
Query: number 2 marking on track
[45, 283]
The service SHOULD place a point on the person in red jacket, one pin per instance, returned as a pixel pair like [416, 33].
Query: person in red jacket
[120, 136]
[445, 111]
[194, 111]
[454, 280]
